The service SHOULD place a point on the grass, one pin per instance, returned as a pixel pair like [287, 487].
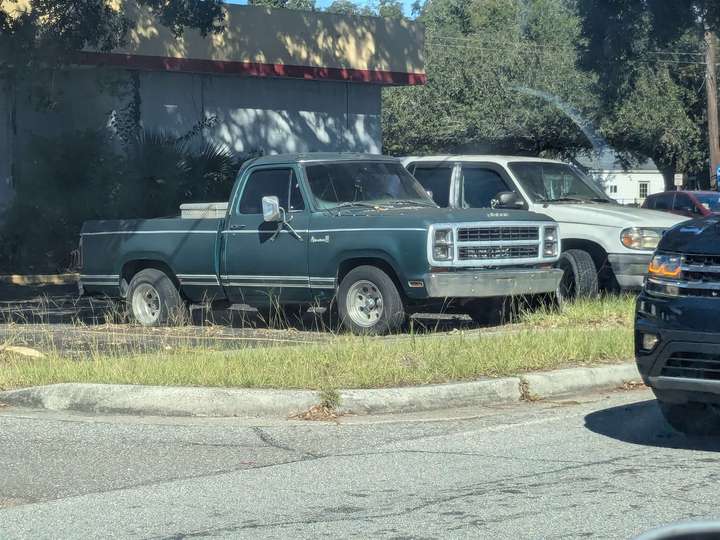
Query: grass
[582, 333]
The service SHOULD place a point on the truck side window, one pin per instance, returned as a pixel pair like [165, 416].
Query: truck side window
[480, 186]
[281, 183]
[435, 178]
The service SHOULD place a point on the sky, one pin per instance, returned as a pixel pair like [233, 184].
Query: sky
[325, 3]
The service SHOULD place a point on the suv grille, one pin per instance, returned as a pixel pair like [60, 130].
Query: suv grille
[497, 252]
[495, 234]
[692, 365]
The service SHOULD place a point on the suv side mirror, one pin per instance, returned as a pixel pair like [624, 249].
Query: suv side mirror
[509, 199]
[271, 209]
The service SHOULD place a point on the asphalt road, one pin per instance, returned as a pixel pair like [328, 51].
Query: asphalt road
[604, 466]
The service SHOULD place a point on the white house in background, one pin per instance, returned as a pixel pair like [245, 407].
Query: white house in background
[626, 186]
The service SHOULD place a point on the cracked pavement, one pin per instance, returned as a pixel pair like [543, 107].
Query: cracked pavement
[597, 466]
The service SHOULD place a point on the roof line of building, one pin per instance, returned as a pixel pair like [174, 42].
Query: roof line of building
[253, 69]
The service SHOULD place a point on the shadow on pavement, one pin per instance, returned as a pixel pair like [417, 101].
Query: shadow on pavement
[642, 423]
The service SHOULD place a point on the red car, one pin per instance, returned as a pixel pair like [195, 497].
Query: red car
[685, 203]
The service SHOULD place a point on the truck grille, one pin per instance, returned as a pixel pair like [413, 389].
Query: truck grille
[692, 365]
[497, 252]
[497, 234]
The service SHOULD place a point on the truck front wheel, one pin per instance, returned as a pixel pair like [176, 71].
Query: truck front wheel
[153, 299]
[580, 279]
[369, 302]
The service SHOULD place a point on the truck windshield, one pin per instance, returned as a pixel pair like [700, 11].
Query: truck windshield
[364, 184]
[555, 182]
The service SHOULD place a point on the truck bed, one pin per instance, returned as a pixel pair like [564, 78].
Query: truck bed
[189, 247]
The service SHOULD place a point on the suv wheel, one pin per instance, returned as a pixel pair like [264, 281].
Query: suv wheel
[580, 279]
[698, 419]
[153, 299]
[369, 302]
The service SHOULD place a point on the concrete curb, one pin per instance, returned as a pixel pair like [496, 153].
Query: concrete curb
[162, 400]
[563, 382]
[193, 401]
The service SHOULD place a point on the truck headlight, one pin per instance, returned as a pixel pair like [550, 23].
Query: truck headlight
[640, 238]
[666, 266]
[550, 242]
[442, 244]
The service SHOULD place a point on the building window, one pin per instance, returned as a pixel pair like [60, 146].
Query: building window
[643, 190]
[612, 189]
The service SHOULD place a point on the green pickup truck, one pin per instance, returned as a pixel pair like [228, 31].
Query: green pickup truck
[307, 229]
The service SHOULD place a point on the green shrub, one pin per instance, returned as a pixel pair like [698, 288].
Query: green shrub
[83, 175]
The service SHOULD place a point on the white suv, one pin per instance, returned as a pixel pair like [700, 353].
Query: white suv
[604, 244]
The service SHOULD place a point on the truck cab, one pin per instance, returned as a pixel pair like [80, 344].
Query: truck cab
[604, 246]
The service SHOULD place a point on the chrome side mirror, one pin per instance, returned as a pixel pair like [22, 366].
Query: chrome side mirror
[271, 209]
[508, 199]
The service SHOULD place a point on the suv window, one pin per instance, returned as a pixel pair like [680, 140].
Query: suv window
[435, 178]
[664, 202]
[281, 183]
[480, 186]
[683, 204]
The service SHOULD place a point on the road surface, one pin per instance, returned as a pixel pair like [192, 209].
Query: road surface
[598, 466]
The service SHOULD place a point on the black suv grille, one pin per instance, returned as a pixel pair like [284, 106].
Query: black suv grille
[491, 234]
[497, 252]
[703, 260]
[692, 365]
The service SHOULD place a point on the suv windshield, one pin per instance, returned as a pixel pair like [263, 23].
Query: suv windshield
[364, 184]
[547, 182]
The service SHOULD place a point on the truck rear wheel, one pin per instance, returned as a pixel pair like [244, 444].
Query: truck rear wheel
[580, 279]
[699, 419]
[369, 302]
[153, 299]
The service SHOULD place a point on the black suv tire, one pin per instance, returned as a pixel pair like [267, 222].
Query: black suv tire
[697, 419]
[580, 279]
[362, 314]
[154, 300]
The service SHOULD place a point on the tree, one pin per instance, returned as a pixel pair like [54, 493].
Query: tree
[390, 9]
[48, 32]
[502, 76]
[649, 58]
[347, 7]
[308, 5]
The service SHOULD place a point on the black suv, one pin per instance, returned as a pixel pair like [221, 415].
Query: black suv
[677, 326]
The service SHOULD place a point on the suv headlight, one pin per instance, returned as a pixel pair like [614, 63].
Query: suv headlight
[550, 242]
[666, 266]
[442, 248]
[640, 238]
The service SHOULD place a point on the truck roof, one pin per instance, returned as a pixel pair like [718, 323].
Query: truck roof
[477, 157]
[307, 157]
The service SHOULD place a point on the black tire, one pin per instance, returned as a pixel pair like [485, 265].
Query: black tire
[580, 279]
[695, 419]
[489, 311]
[151, 286]
[390, 318]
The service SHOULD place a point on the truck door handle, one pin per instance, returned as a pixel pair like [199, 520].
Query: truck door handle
[237, 227]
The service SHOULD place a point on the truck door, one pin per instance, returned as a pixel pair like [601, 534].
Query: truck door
[266, 262]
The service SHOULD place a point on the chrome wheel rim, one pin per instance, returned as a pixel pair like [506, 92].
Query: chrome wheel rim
[365, 303]
[146, 303]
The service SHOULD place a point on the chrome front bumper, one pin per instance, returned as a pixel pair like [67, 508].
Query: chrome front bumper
[487, 283]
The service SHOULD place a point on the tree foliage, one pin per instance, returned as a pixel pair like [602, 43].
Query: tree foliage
[502, 76]
[307, 5]
[648, 57]
[46, 32]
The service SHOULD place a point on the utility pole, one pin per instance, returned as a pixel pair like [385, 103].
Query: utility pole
[712, 106]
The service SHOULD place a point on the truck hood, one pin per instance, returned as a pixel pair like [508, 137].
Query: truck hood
[424, 217]
[609, 215]
[700, 236]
